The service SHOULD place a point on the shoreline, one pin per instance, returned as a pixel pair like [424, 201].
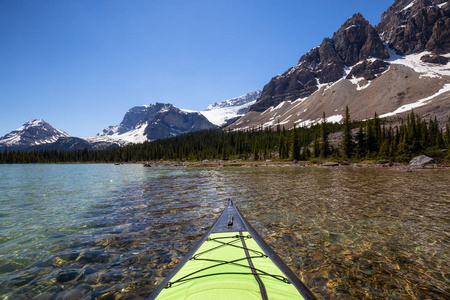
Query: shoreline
[268, 163]
[282, 164]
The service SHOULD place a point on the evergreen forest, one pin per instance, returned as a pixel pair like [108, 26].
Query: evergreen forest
[376, 139]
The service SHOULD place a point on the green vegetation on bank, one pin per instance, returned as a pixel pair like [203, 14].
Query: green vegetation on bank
[376, 139]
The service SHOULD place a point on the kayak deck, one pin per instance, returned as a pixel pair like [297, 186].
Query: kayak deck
[232, 262]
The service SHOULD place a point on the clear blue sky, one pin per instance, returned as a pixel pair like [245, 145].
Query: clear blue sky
[81, 64]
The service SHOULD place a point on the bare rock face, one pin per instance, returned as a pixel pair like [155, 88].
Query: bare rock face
[412, 26]
[356, 40]
[331, 65]
[368, 70]
[158, 121]
[435, 59]
[439, 41]
[171, 121]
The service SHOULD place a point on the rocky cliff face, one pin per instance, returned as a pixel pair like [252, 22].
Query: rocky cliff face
[171, 121]
[413, 26]
[355, 41]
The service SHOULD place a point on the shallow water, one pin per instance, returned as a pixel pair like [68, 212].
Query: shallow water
[105, 231]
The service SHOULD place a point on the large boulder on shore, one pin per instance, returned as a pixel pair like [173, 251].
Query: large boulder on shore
[421, 161]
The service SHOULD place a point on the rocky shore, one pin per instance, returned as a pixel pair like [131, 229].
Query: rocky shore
[299, 164]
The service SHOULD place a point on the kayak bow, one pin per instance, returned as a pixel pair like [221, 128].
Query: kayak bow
[232, 261]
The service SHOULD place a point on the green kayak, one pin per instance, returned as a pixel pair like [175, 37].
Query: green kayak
[232, 261]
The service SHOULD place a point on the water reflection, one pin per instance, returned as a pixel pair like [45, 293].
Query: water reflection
[348, 233]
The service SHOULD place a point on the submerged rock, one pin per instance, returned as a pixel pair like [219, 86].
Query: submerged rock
[421, 161]
[67, 276]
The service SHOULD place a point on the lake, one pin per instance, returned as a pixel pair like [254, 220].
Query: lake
[114, 232]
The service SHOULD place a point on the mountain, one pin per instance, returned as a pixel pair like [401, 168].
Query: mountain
[151, 122]
[398, 65]
[140, 123]
[32, 133]
[356, 40]
[156, 121]
[39, 135]
[224, 112]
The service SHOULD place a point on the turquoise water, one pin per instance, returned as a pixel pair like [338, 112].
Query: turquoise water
[113, 232]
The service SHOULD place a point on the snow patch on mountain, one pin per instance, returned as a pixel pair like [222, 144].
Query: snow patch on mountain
[414, 62]
[357, 82]
[220, 112]
[416, 104]
[409, 5]
[135, 135]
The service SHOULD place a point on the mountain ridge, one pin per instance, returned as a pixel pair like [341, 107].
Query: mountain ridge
[366, 70]
[355, 40]
[139, 124]
[150, 122]
[402, 63]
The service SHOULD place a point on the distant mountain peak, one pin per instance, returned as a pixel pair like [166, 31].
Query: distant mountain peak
[154, 121]
[35, 122]
[32, 133]
[238, 101]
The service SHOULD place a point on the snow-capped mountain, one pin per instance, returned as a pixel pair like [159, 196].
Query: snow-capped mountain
[151, 122]
[32, 133]
[140, 124]
[221, 113]
[401, 64]
[155, 121]
[37, 135]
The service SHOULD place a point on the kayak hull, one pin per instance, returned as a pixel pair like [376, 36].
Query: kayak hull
[232, 261]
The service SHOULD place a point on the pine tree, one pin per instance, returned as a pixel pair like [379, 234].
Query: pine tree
[423, 135]
[255, 153]
[295, 145]
[447, 133]
[305, 152]
[316, 149]
[433, 130]
[371, 143]
[360, 142]
[347, 141]
[324, 146]
[440, 140]
[281, 146]
[384, 149]
[377, 128]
